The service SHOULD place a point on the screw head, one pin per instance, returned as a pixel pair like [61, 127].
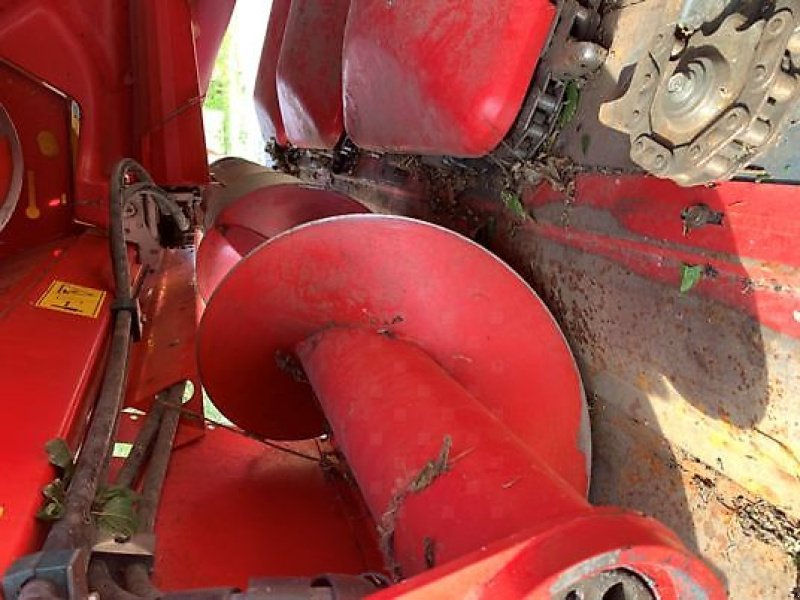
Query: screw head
[677, 82]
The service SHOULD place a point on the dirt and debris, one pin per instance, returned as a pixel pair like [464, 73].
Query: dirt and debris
[290, 365]
[768, 524]
[429, 552]
[432, 470]
[558, 171]
[443, 184]
[756, 518]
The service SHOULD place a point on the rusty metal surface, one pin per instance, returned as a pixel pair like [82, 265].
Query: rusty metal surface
[635, 467]
[641, 417]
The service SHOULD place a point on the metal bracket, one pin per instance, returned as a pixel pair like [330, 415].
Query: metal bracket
[140, 223]
[140, 546]
[64, 570]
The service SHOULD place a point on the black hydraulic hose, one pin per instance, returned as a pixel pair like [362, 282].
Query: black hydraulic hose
[159, 460]
[137, 574]
[116, 234]
[100, 581]
[138, 582]
[75, 529]
[141, 447]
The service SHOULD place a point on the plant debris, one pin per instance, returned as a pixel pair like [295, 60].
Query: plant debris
[690, 276]
[289, 364]
[429, 552]
[432, 470]
[768, 524]
[513, 203]
[114, 507]
[558, 171]
[114, 510]
[572, 96]
[60, 456]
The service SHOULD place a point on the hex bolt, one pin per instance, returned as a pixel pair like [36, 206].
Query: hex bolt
[660, 161]
[760, 72]
[677, 82]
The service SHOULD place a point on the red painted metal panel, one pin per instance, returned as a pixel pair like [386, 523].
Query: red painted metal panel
[49, 361]
[309, 73]
[750, 253]
[166, 353]
[168, 104]
[473, 314]
[266, 90]
[257, 216]
[235, 509]
[543, 563]
[210, 19]
[758, 218]
[41, 117]
[439, 77]
[81, 48]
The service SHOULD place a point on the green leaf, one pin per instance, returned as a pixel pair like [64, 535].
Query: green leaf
[690, 276]
[54, 491]
[60, 456]
[51, 511]
[572, 95]
[114, 510]
[513, 203]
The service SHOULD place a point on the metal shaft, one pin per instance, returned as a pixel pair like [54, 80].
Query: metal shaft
[431, 460]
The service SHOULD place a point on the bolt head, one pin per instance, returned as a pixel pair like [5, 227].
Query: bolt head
[677, 82]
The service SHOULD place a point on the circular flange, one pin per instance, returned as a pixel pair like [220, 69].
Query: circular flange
[474, 315]
[11, 167]
[257, 216]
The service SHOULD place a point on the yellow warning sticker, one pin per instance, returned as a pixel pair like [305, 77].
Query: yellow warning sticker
[72, 299]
